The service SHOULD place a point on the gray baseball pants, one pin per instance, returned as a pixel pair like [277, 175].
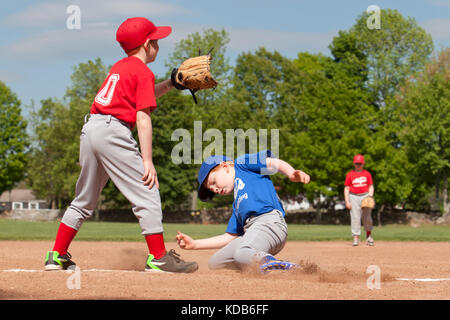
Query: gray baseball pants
[264, 234]
[358, 214]
[108, 150]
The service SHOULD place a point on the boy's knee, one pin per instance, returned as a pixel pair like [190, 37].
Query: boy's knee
[212, 264]
[74, 217]
[245, 256]
[150, 221]
[215, 263]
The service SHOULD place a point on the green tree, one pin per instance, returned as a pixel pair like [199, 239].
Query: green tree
[326, 120]
[58, 124]
[392, 53]
[319, 109]
[242, 110]
[346, 52]
[196, 43]
[258, 81]
[382, 60]
[48, 168]
[424, 114]
[14, 139]
[175, 180]
[177, 111]
[87, 79]
[54, 168]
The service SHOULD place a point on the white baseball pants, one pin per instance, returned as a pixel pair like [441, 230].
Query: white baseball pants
[264, 234]
[358, 214]
[108, 150]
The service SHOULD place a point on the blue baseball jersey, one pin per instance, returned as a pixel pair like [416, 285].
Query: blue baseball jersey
[254, 193]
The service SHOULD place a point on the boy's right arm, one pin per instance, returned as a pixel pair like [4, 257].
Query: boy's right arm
[277, 165]
[217, 242]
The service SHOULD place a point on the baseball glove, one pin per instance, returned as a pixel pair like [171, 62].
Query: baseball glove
[194, 74]
[368, 202]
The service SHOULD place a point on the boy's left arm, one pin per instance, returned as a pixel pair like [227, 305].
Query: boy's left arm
[163, 87]
[144, 128]
[277, 165]
[371, 190]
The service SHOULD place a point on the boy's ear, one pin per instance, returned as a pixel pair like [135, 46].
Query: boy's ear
[147, 43]
[225, 165]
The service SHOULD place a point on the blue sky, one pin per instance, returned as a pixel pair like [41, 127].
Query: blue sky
[38, 52]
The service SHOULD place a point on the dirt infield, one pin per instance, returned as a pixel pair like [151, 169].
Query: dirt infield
[334, 270]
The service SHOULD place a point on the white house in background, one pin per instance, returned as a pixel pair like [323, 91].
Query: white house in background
[20, 199]
[291, 205]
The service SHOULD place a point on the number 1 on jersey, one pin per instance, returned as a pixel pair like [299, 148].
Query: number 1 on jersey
[105, 95]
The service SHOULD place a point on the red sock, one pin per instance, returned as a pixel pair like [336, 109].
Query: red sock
[64, 237]
[155, 243]
[368, 233]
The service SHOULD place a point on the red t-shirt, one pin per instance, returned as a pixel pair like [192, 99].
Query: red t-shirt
[129, 87]
[358, 182]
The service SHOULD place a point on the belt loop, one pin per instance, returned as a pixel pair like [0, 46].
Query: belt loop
[86, 117]
[108, 119]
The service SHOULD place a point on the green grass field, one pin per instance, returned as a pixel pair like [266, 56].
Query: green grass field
[115, 231]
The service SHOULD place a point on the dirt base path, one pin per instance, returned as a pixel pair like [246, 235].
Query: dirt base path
[334, 270]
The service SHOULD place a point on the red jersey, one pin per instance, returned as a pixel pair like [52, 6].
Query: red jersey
[358, 182]
[129, 87]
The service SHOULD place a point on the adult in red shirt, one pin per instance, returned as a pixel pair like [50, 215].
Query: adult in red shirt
[359, 185]
[108, 150]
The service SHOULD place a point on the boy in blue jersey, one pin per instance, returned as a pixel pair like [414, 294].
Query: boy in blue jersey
[256, 230]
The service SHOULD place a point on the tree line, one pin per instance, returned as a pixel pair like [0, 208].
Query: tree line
[383, 93]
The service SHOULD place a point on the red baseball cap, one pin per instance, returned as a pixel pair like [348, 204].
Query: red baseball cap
[358, 159]
[135, 31]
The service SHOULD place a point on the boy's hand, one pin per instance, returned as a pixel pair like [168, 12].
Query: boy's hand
[184, 241]
[150, 177]
[299, 176]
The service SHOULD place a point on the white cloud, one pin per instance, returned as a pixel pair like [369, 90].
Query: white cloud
[9, 77]
[98, 39]
[440, 3]
[37, 15]
[47, 14]
[49, 38]
[64, 44]
[250, 39]
[438, 28]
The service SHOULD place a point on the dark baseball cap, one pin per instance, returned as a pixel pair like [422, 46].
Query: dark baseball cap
[135, 31]
[205, 194]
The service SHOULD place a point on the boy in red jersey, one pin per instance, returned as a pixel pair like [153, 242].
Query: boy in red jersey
[359, 185]
[108, 149]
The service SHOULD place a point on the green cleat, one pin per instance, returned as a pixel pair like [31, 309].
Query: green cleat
[170, 262]
[55, 261]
